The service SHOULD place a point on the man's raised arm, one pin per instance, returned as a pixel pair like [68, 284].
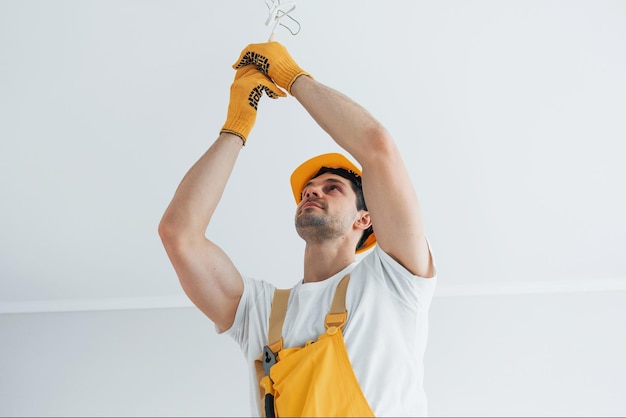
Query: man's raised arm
[207, 275]
[390, 196]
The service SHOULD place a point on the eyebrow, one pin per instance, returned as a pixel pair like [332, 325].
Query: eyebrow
[328, 180]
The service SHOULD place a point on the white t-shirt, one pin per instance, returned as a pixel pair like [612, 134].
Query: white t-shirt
[385, 334]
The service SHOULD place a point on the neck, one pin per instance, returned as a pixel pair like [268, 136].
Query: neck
[322, 261]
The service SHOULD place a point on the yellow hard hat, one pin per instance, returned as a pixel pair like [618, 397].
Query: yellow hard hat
[305, 172]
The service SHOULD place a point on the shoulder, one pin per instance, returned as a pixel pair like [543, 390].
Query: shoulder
[378, 261]
[379, 269]
[254, 306]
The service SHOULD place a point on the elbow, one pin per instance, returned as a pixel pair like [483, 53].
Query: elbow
[169, 232]
[166, 233]
[379, 143]
[165, 230]
[177, 235]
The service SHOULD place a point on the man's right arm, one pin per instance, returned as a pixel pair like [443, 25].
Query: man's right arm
[207, 275]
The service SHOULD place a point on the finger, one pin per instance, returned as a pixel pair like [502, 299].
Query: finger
[251, 56]
[274, 93]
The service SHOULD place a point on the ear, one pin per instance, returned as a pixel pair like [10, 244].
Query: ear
[364, 220]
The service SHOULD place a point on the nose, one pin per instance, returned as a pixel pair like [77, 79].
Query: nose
[310, 191]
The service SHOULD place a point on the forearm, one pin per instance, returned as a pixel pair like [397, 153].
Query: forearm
[201, 189]
[198, 194]
[390, 196]
[347, 122]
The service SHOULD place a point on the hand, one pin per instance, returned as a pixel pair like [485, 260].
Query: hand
[245, 93]
[273, 60]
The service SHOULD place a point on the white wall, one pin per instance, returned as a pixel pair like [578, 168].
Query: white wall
[156, 362]
[511, 118]
[528, 355]
[559, 354]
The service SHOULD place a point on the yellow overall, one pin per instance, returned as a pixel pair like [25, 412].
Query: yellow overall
[317, 379]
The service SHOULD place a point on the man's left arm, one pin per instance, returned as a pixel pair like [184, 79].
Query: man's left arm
[391, 199]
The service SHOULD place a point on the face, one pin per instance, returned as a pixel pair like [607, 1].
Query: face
[327, 209]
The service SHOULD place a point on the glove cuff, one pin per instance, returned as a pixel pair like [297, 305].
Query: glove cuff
[239, 122]
[285, 74]
[295, 78]
[228, 131]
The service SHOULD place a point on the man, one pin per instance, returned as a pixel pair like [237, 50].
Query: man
[386, 303]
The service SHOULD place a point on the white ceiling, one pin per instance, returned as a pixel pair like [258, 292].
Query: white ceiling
[511, 117]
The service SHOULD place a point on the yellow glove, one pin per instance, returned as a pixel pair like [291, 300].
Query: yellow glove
[245, 93]
[273, 60]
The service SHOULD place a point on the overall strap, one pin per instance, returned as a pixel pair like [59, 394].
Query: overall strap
[274, 343]
[338, 314]
[275, 330]
[277, 316]
[336, 317]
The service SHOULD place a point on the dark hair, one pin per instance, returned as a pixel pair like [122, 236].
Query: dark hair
[357, 187]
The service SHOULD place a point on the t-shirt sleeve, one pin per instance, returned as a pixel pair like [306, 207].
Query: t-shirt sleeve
[410, 289]
[252, 316]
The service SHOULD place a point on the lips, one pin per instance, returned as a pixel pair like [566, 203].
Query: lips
[311, 204]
